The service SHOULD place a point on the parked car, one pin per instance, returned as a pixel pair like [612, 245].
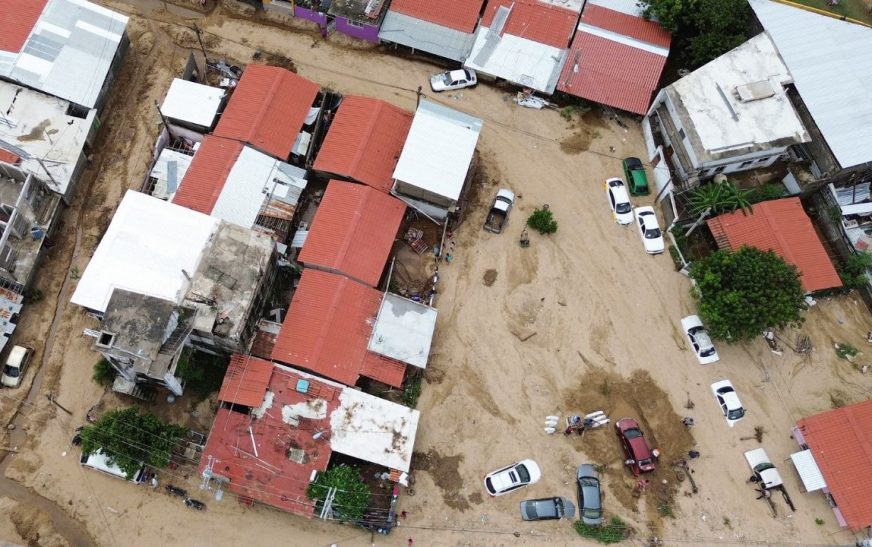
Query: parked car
[453, 79]
[649, 230]
[637, 180]
[508, 479]
[640, 457]
[16, 366]
[619, 201]
[763, 469]
[728, 400]
[589, 495]
[499, 214]
[547, 509]
[699, 340]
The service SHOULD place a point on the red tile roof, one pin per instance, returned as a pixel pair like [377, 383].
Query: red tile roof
[459, 15]
[9, 157]
[328, 327]
[245, 380]
[607, 71]
[205, 178]
[353, 231]
[364, 141]
[782, 226]
[841, 442]
[271, 476]
[17, 22]
[268, 109]
[536, 21]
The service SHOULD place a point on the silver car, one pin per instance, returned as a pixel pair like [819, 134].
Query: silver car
[453, 79]
[547, 509]
[589, 495]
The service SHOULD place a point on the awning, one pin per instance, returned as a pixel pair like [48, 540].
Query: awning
[808, 471]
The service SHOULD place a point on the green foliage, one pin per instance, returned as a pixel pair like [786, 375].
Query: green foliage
[130, 439]
[853, 270]
[569, 112]
[766, 192]
[676, 258]
[846, 351]
[542, 220]
[412, 391]
[32, 296]
[666, 511]
[724, 197]
[819, 521]
[613, 532]
[201, 371]
[104, 373]
[352, 494]
[743, 293]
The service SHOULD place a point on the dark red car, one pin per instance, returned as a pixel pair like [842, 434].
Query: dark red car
[640, 458]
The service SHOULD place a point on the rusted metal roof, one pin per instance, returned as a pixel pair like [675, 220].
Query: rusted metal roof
[205, 178]
[781, 226]
[615, 59]
[841, 442]
[534, 21]
[327, 329]
[459, 15]
[246, 380]
[9, 157]
[19, 18]
[384, 369]
[364, 141]
[353, 231]
[268, 109]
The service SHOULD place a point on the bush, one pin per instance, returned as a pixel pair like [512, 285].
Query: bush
[766, 192]
[352, 494]
[412, 391]
[542, 220]
[853, 270]
[104, 373]
[614, 532]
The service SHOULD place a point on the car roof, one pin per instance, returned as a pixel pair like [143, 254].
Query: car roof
[640, 448]
[457, 74]
[732, 400]
[620, 193]
[649, 220]
[703, 339]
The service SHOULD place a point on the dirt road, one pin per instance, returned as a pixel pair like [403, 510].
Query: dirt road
[594, 311]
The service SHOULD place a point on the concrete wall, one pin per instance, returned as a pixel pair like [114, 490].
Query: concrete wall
[362, 32]
[311, 15]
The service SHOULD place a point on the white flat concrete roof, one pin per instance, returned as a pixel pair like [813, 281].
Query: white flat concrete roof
[830, 61]
[374, 430]
[438, 150]
[403, 330]
[38, 124]
[151, 247]
[718, 122]
[518, 60]
[161, 170]
[192, 102]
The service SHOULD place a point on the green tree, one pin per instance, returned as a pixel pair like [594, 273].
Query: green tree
[720, 197]
[130, 439]
[542, 220]
[352, 494]
[853, 270]
[742, 293]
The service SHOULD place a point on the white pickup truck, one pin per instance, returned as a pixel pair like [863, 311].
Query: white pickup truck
[499, 213]
[763, 469]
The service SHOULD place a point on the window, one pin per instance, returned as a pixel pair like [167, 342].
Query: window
[77, 111]
[681, 133]
[745, 164]
[353, 24]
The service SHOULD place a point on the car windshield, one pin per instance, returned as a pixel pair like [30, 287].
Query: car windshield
[643, 463]
[632, 433]
[736, 413]
[523, 473]
[10, 371]
[652, 234]
[589, 481]
[707, 352]
[623, 208]
[468, 74]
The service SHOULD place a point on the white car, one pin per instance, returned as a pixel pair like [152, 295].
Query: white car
[649, 230]
[511, 478]
[16, 366]
[453, 79]
[731, 406]
[619, 201]
[699, 340]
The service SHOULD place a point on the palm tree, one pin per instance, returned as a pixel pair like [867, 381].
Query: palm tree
[723, 197]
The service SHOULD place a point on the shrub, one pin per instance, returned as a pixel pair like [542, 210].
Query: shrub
[412, 391]
[542, 220]
[104, 373]
[853, 270]
[613, 532]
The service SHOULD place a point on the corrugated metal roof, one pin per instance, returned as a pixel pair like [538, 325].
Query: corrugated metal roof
[19, 18]
[808, 470]
[535, 21]
[459, 15]
[841, 442]
[829, 61]
[425, 36]
[207, 174]
[9, 157]
[245, 381]
[782, 226]
[353, 231]
[328, 326]
[637, 28]
[268, 109]
[364, 141]
[383, 369]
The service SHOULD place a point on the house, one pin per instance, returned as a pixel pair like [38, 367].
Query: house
[213, 273]
[328, 328]
[403, 330]
[616, 57]
[72, 49]
[269, 110]
[836, 459]
[438, 160]
[191, 105]
[278, 427]
[445, 29]
[353, 232]
[364, 142]
[524, 41]
[781, 226]
[236, 183]
[168, 171]
[358, 18]
[732, 114]
[47, 136]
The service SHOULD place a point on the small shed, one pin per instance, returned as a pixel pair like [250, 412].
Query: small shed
[403, 330]
[192, 105]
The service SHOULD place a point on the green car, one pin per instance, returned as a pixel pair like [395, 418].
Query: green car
[637, 180]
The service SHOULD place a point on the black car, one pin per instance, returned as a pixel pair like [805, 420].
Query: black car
[547, 509]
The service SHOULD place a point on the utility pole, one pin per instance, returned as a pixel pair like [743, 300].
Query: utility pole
[197, 31]
[164, 120]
